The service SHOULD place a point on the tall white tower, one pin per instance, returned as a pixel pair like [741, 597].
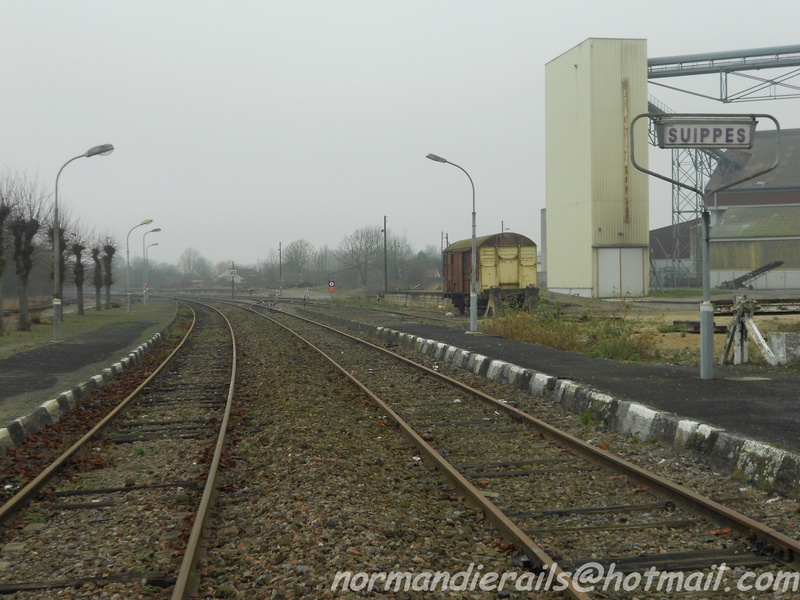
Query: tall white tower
[597, 202]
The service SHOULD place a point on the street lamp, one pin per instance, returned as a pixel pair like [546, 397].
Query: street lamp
[144, 265]
[101, 150]
[128, 260]
[473, 284]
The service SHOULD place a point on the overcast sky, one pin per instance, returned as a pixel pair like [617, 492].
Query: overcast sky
[242, 124]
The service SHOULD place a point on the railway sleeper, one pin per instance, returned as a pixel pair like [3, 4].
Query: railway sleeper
[594, 510]
[131, 439]
[511, 463]
[529, 472]
[128, 488]
[156, 578]
[676, 561]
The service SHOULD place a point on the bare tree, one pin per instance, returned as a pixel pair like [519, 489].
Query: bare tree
[324, 262]
[6, 201]
[360, 249]
[297, 257]
[97, 276]
[109, 249]
[269, 269]
[75, 244]
[398, 252]
[24, 224]
[76, 249]
[194, 265]
[66, 226]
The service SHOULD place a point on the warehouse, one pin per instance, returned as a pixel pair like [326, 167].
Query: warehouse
[756, 225]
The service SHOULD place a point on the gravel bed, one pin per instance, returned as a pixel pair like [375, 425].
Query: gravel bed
[691, 470]
[321, 484]
[79, 528]
[317, 482]
[781, 513]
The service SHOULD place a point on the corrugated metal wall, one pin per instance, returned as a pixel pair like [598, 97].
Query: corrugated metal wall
[746, 255]
[568, 171]
[620, 199]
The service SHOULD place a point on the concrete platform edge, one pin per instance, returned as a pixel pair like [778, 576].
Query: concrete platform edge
[751, 461]
[17, 431]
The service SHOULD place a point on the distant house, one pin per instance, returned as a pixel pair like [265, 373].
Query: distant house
[244, 277]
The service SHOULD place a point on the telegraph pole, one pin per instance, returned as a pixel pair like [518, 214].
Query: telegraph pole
[385, 269]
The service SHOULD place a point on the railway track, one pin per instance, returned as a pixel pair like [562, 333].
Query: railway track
[561, 502]
[315, 482]
[416, 314]
[120, 513]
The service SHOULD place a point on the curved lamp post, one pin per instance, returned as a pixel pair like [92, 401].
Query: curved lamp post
[128, 260]
[101, 150]
[473, 285]
[144, 265]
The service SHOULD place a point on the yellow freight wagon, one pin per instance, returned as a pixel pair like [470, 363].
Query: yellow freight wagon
[506, 261]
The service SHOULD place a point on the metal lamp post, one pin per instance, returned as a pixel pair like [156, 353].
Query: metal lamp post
[473, 283]
[128, 260]
[144, 265]
[101, 150]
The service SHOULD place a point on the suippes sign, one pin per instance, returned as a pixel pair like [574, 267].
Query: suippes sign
[696, 131]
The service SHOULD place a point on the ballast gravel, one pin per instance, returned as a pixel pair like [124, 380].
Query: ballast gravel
[323, 487]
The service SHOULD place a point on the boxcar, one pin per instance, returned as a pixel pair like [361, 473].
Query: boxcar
[506, 261]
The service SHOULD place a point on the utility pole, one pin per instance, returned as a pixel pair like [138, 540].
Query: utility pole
[280, 271]
[385, 269]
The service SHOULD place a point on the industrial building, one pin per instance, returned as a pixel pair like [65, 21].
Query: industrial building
[597, 205]
[595, 228]
[755, 226]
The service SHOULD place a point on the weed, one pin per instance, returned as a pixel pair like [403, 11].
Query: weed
[35, 518]
[613, 336]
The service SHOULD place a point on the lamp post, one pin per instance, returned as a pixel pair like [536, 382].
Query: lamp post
[101, 150]
[128, 260]
[144, 265]
[473, 284]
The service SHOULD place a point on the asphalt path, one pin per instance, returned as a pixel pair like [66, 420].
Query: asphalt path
[764, 407]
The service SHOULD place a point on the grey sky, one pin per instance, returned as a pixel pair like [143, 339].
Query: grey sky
[241, 124]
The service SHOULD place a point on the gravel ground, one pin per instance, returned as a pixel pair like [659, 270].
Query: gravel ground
[321, 485]
[316, 483]
[783, 514]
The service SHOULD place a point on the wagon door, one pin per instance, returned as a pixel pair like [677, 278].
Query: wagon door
[508, 267]
[527, 267]
[488, 272]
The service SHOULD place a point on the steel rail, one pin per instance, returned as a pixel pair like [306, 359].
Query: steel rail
[511, 532]
[786, 550]
[187, 573]
[316, 302]
[26, 493]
